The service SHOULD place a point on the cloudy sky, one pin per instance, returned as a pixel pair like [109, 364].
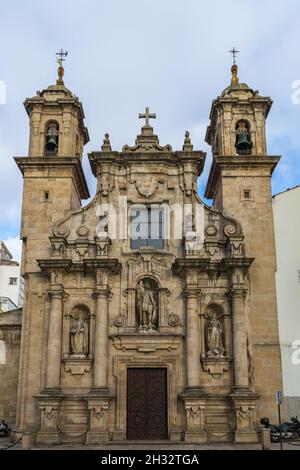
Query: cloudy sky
[171, 55]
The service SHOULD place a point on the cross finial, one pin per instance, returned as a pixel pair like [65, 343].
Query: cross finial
[61, 56]
[147, 115]
[234, 53]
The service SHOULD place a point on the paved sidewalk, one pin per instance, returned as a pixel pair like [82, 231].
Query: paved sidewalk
[168, 446]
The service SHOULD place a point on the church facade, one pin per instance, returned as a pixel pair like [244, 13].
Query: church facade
[148, 314]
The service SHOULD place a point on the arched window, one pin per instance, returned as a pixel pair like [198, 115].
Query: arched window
[51, 140]
[2, 352]
[243, 142]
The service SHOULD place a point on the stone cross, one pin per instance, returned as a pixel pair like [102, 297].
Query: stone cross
[147, 115]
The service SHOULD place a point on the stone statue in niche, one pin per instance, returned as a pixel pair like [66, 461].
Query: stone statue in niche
[147, 308]
[79, 333]
[214, 332]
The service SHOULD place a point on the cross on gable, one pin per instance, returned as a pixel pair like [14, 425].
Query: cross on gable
[147, 115]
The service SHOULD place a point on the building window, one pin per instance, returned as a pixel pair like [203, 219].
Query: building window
[2, 352]
[247, 194]
[146, 227]
[298, 272]
[13, 281]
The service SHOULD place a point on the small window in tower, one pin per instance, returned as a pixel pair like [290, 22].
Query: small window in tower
[298, 272]
[247, 194]
[13, 281]
[46, 195]
[51, 143]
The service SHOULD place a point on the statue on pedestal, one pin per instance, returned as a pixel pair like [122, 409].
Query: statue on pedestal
[214, 333]
[147, 308]
[79, 336]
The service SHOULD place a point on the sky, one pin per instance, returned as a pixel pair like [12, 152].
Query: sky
[170, 55]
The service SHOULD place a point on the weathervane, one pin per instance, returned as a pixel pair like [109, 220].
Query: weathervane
[234, 68]
[234, 53]
[61, 57]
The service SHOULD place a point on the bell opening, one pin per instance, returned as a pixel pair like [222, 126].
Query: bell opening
[243, 143]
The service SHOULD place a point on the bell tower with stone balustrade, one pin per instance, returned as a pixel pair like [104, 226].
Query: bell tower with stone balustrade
[239, 184]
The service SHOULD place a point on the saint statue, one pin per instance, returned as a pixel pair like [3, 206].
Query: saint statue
[147, 308]
[214, 336]
[79, 336]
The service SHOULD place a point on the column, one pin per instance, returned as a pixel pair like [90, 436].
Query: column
[101, 338]
[54, 339]
[239, 339]
[192, 340]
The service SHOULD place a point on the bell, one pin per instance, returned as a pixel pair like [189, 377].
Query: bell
[242, 142]
[51, 144]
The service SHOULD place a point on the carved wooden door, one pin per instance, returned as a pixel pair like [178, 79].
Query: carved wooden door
[147, 403]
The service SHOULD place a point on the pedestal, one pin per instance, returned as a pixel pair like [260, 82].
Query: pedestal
[194, 405]
[98, 409]
[49, 431]
[245, 417]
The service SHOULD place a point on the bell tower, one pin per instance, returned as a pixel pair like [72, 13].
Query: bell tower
[239, 184]
[54, 182]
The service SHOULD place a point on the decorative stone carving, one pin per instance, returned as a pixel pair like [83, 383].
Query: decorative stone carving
[49, 408]
[146, 188]
[211, 231]
[83, 231]
[147, 306]
[102, 247]
[146, 343]
[77, 366]
[173, 319]
[245, 417]
[63, 230]
[214, 333]
[195, 417]
[215, 367]
[119, 320]
[230, 230]
[98, 409]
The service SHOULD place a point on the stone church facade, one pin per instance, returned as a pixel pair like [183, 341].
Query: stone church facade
[155, 338]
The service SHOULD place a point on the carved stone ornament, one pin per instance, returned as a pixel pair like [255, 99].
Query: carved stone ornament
[211, 231]
[146, 188]
[230, 230]
[63, 230]
[83, 231]
[173, 319]
[119, 320]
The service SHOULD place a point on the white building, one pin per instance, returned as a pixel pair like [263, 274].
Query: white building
[11, 283]
[287, 233]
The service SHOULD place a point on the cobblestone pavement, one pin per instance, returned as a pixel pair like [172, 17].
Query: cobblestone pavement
[168, 446]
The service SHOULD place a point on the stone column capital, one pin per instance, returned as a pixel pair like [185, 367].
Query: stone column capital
[104, 293]
[191, 293]
[238, 292]
[56, 294]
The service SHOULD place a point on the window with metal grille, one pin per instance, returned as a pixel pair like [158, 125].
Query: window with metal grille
[146, 227]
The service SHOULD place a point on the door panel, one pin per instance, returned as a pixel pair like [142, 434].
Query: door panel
[147, 403]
